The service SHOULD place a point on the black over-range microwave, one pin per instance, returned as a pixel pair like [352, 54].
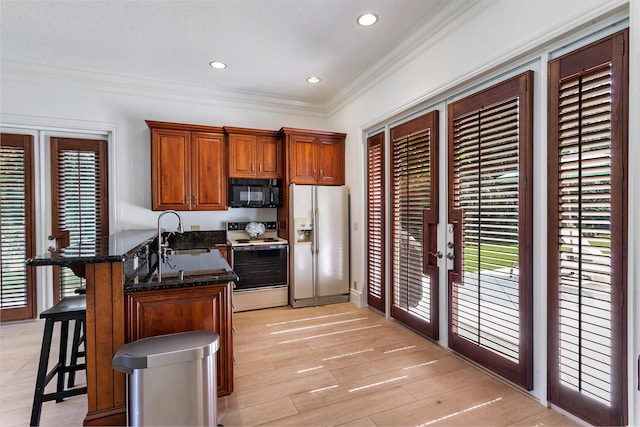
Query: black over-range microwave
[255, 193]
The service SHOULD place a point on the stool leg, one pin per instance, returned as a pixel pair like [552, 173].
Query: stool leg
[62, 357]
[77, 327]
[42, 373]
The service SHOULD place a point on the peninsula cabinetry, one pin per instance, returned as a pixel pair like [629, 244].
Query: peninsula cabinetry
[314, 157]
[167, 311]
[188, 168]
[254, 153]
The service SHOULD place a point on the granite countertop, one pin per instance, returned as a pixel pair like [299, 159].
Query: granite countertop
[193, 260]
[181, 269]
[114, 248]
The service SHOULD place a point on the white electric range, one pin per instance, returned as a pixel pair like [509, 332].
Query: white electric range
[261, 265]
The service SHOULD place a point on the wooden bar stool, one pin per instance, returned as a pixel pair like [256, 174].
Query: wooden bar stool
[70, 308]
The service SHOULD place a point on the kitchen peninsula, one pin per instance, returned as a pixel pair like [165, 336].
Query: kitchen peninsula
[128, 300]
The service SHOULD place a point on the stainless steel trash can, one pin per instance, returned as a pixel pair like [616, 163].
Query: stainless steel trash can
[172, 379]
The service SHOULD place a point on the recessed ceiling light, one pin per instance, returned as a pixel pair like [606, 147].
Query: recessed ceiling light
[313, 79]
[217, 65]
[367, 19]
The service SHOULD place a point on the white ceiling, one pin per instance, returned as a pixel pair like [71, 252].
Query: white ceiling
[270, 46]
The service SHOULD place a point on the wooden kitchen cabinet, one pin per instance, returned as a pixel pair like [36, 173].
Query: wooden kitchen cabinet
[188, 168]
[208, 307]
[311, 157]
[314, 157]
[226, 252]
[254, 153]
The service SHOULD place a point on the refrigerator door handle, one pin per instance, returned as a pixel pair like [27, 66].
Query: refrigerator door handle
[314, 266]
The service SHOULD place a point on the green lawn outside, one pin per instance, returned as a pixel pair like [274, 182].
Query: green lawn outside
[493, 257]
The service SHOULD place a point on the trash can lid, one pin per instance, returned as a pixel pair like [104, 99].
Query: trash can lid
[165, 350]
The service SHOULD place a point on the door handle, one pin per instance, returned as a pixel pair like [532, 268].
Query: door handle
[437, 254]
[59, 239]
[450, 256]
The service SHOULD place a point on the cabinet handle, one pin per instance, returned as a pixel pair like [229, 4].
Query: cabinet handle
[253, 169]
[194, 199]
[314, 172]
[260, 167]
[186, 200]
[321, 176]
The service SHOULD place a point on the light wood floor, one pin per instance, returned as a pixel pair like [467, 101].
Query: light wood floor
[331, 365]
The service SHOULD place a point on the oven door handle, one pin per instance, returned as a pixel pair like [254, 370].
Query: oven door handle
[257, 247]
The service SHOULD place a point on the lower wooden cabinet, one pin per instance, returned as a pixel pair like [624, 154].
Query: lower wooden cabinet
[208, 307]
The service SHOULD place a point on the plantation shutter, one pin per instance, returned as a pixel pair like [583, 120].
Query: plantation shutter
[80, 198]
[587, 206]
[17, 300]
[375, 223]
[490, 143]
[415, 210]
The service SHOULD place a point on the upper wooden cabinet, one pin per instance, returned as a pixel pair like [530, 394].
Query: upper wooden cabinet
[188, 167]
[314, 157]
[254, 153]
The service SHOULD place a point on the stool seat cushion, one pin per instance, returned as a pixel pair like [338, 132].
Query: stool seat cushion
[76, 304]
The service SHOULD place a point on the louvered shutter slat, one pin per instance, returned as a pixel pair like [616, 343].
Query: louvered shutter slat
[486, 170]
[375, 222]
[584, 149]
[79, 195]
[16, 299]
[411, 189]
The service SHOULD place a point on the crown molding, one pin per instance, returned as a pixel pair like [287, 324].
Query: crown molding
[30, 72]
[420, 37]
[608, 10]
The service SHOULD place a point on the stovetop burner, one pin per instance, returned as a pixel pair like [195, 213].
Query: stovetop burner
[238, 237]
[259, 240]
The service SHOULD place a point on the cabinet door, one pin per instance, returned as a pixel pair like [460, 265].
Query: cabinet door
[269, 157]
[208, 172]
[226, 253]
[242, 156]
[302, 157]
[152, 313]
[330, 161]
[170, 169]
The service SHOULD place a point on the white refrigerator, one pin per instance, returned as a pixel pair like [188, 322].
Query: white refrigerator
[318, 245]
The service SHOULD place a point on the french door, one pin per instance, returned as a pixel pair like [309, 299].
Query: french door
[490, 208]
[17, 229]
[376, 249]
[587, 281]
[79, 201]
[414, 201]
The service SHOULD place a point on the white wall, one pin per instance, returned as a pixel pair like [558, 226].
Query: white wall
[477, 51]
[72, 105]
[67, 105]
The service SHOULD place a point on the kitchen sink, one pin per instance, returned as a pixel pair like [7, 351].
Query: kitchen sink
[196, 251]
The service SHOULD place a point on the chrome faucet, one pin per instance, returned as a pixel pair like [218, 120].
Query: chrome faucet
[162, 247]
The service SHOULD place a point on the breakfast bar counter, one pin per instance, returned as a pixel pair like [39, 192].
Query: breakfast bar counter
[131, 295]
